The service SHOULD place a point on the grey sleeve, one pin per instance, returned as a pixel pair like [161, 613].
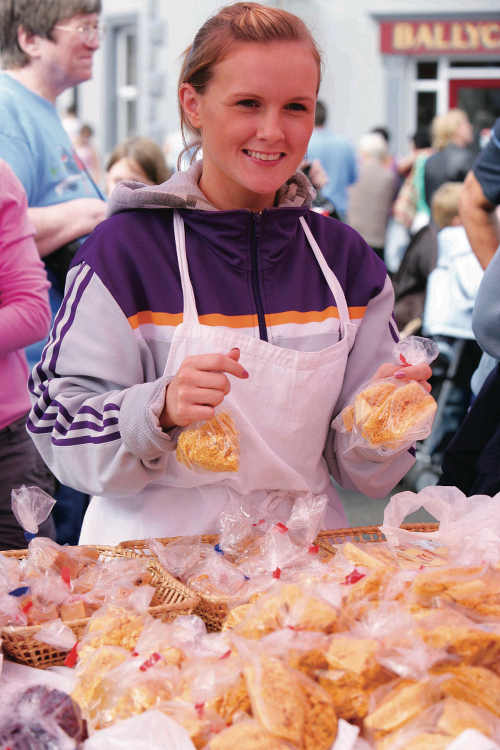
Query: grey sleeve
[486, 315]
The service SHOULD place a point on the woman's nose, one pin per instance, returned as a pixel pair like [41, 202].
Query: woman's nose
[270, 126]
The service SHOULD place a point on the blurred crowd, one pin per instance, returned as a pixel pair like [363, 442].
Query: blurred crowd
[428, 214]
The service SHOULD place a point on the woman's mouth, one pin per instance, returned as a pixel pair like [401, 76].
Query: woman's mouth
[263, 155]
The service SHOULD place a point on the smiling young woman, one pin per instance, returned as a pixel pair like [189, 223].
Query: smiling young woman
[220, 287]
[255, 117]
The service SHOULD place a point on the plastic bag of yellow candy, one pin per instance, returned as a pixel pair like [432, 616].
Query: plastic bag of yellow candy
[212, 445]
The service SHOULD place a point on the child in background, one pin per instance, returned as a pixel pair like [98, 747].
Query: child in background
[452, 286]
[138, 159]
[451, 291]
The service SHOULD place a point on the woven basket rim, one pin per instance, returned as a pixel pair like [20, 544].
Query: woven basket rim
[225, 600]
[210, 538]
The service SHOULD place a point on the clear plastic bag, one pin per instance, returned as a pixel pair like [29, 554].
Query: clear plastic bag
[212, 445]
[469, 527]
[31, 506]
[389, 415]
[150, 730]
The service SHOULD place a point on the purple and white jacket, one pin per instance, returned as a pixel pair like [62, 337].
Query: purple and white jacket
[99, 387]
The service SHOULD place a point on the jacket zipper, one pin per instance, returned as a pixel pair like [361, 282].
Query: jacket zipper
[254, 251]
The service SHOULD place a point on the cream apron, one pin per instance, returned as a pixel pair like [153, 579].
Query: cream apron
[282, 411]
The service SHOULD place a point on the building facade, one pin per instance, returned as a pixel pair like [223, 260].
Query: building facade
[384, 64]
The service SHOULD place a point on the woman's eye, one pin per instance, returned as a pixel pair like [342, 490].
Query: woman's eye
[248, 103]
[296, 107]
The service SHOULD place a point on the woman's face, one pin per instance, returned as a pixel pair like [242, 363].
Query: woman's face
[125, 169]
[256, 117]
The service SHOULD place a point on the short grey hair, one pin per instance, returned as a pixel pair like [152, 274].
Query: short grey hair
[374, 145]
[36, 17]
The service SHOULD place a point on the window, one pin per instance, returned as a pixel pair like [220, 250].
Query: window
[426, 108]
[126, 81]
[427, 70]
[426, 89]
[122, 82]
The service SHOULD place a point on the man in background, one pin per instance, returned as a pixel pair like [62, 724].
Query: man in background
[46, 47]
[337, 157]
[471, 461]
[370, 198]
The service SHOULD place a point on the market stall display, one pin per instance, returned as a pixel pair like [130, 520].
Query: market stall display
[393, 632]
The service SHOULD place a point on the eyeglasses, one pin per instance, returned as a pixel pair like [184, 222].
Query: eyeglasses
[89, 32]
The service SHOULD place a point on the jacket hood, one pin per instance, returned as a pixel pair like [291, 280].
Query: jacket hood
[182, 191]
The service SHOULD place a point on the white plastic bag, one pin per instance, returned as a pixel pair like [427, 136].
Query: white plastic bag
[150, 730]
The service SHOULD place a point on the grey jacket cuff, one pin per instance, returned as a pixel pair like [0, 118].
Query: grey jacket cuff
[140, 427]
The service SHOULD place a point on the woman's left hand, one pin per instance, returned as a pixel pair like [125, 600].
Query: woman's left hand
[421, 373]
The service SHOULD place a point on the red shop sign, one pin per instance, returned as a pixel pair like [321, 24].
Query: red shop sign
[439, 37]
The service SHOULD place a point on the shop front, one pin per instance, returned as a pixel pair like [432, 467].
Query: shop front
[436, 63]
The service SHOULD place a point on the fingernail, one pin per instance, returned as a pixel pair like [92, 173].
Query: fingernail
[235, 349]
[400, 374]
[246, 374]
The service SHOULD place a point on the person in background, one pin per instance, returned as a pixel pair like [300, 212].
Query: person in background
[336, 156]
[87, 152]
[480, 197]
[406, 206]
[400, 167]
[479, 213]
[471, 461]
[220, 288]
[483, 128]
[453, 284]
[452, 137]
[47, 47]
[426, 149]
[370, 198]
[138, 159]
[24, 317]
[451, 292]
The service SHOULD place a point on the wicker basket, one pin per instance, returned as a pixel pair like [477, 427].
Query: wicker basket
[365, 534]
[171, 598]
[213, 609]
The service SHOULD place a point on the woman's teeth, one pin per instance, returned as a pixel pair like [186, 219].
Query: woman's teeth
[263, 157]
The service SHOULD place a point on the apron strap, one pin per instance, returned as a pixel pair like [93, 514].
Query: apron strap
[190, 314]
[330, 277]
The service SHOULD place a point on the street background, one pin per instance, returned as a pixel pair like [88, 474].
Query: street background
[365, 511]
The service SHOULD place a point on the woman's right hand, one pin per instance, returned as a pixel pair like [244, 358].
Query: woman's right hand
[198, 387]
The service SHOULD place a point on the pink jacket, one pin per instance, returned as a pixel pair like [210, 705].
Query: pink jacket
[24, 305]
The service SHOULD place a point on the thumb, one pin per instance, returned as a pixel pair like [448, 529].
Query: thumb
[234, 354]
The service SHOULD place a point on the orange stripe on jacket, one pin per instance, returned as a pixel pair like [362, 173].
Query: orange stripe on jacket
[145, 317]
